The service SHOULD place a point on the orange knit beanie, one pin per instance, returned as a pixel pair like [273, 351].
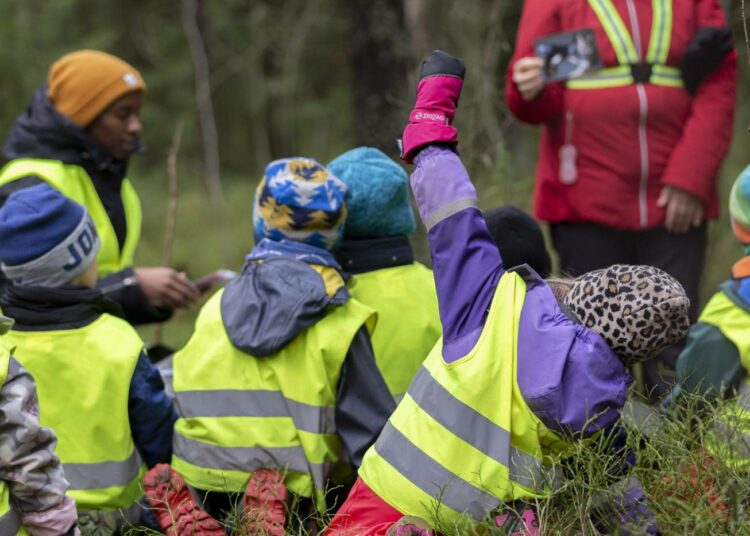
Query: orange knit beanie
[82, 84]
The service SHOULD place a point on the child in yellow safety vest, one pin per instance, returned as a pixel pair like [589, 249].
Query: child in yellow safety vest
[97, 387]
[716, 358]
[278, 389]
[525, 366]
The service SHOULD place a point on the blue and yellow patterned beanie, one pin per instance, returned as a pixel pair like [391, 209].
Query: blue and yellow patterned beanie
[378, 194]
[299, 200]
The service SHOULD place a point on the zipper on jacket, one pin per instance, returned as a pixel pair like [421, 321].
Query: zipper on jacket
[643, 116]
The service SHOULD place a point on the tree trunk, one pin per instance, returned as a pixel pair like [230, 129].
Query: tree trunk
[380, 65]
[191, 10]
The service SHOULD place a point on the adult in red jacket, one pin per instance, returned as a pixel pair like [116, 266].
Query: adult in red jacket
[629, 156]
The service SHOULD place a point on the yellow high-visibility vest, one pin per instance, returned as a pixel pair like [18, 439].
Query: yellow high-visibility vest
[83, 378]
[240, 413]
[74, 182]
[463, 441]
[408, 320]
[655, 61]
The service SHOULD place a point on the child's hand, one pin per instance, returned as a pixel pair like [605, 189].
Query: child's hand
[439, 88]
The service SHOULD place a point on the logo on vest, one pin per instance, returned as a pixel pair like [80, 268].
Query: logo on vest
[81, 247]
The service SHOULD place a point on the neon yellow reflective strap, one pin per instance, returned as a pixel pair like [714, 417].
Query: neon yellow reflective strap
[661, 75]
[661, 32]
[664, 75]
[613, 77]
[616, 31]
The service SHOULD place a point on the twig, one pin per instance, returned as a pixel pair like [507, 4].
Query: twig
[168, 249]
[173, 195]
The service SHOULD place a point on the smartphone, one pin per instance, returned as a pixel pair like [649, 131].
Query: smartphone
[219, 277]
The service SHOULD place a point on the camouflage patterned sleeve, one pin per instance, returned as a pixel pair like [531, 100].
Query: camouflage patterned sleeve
[28, 463]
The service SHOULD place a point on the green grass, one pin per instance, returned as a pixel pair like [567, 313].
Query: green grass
[690, 491]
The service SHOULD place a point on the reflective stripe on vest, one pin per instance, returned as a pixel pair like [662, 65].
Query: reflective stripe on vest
[92, 476]
[87, 372]
[249, 459]
[657, 72]
[473, 428]
[10, 520]
[239, 413]
[463, 436]
[235, 403]
[74, 182]
[408, 320]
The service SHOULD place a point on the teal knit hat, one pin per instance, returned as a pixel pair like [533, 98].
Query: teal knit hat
[739, 206]
[378, 194]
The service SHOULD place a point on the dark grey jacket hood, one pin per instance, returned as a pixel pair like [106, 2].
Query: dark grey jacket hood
[43, 132]
[273, 301]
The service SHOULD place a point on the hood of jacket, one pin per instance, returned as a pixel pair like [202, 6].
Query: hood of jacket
[43, 132]
[274, 300]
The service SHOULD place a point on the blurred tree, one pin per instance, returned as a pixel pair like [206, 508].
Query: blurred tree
[193, 19]
[381, 60]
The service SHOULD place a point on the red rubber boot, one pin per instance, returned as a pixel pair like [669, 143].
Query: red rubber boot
[175, 508]
[265, 504]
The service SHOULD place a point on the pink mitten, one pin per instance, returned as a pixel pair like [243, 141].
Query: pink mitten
[440, 84]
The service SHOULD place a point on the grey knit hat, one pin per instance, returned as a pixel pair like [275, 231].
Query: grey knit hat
[638, 310]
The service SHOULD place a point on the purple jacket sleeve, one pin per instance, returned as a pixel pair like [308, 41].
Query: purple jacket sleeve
[558, 359]
[465, 259]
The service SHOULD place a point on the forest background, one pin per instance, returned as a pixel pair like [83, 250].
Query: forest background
[234, 84]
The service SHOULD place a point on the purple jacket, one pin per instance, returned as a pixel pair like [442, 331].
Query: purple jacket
[567, 373]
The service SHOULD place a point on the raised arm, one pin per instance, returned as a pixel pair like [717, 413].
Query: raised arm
[465, 259]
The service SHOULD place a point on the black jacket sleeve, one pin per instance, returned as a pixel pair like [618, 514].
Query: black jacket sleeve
[363, 401]
[122, 287]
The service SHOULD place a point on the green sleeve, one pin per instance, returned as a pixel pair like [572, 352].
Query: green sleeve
[709, 365]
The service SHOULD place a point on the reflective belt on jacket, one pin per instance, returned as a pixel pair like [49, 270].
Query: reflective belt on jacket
[74, 182]
[87, 372]
[463, 439]
[632, 69]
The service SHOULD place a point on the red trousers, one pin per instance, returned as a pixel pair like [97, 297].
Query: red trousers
[363, 514]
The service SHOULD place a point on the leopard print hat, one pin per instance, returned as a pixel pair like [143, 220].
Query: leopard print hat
[638, 310]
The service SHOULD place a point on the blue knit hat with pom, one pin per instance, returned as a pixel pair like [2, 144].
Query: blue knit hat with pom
[46, 239]
[299, 200]
[378, 194]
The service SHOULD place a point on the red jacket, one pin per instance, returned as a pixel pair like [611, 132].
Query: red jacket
[685, 138]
